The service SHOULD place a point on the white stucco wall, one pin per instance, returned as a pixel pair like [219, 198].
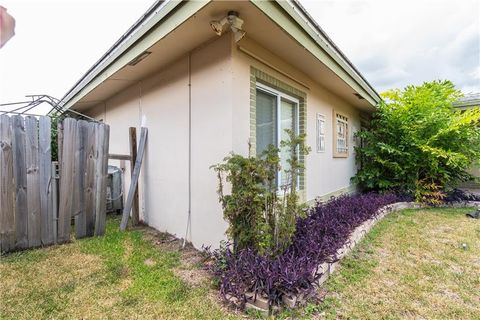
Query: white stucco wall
[324, 173]
[161, 103]
[220, 123]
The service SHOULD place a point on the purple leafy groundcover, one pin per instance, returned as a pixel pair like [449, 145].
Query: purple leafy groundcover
[316, 240]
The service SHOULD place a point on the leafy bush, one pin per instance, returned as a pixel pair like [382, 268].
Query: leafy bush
[418, 143]
[316, 240]
[258, 217]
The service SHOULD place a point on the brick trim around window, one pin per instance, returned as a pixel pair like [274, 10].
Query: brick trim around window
[257, 76]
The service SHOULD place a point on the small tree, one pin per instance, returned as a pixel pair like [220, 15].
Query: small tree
[419, 143]
[258, 216]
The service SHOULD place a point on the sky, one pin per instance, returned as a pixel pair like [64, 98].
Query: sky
[393, 43]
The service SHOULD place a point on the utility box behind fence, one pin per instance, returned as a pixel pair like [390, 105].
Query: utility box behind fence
[115, 189]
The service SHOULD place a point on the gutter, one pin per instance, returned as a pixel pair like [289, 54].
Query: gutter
[467, 104]
[322, 39]
[162, 8]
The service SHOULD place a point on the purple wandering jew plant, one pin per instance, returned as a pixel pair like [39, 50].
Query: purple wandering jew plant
[316, 240]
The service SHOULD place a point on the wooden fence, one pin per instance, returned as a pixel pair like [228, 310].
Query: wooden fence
[32, 212]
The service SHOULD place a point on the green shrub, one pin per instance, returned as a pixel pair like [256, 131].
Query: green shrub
[261, 216]
[418, 143]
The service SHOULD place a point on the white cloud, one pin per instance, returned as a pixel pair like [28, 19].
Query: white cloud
[395, 43]
[56, 42]
[392, 42]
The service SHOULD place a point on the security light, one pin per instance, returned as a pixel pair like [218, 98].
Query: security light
[218, 26]
[238, 35]
[233, 21]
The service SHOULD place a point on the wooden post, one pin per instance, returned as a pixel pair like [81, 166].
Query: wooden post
[20, 182]
[7, 199]
[133, 159]
[134, 182]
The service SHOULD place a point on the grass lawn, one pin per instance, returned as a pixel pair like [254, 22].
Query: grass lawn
[119, 276]
[413, 264]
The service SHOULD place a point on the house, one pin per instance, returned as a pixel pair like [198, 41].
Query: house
[470, 100]
[208, 78]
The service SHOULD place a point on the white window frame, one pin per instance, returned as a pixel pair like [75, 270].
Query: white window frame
[340, 117]
[321, 122]
[279, 95]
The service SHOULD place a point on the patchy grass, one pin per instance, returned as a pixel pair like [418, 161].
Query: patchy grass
[415, 264]
[119, 276]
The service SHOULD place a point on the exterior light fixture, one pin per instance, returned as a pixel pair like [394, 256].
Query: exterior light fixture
[231, 20]
[238, 35]
[139, 58]
[218, 26]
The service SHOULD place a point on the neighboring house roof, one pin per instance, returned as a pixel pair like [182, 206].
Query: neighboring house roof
[160, 14]
[468, 100]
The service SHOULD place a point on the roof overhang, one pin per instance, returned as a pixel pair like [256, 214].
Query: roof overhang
[299, 23]
[142, 35]
[468, 101]
[171, 29]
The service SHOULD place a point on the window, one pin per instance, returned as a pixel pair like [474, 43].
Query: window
[340, 137]
[321, 129]
[275, 112]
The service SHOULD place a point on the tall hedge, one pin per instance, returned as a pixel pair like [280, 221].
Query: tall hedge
[418, 142]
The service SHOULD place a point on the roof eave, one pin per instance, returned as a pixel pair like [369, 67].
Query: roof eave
[123, 49]
[303, 20]
[159, 10]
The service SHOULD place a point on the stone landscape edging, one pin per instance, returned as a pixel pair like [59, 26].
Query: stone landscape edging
[260, 304]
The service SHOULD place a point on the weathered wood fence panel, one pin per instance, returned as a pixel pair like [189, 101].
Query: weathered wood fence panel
[33, 182]
[102, 138]
[79, 191]
[45, 162]
[28, 215]
[67, 167]
[7, 221]
[20, 179]
[83, 172]
[91, 156]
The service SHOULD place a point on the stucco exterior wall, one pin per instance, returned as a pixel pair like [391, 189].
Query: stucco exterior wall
[219, 96]
[161, 103]
[324, 173]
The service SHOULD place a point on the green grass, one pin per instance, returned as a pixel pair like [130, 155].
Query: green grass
[412, 265]
[118, 276]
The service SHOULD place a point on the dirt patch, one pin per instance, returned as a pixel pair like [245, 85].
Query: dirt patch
[191, 268]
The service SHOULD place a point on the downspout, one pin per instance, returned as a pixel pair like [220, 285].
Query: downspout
[189, 214]
[143, 123]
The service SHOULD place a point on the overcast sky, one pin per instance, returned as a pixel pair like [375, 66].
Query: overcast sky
[392, 42]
